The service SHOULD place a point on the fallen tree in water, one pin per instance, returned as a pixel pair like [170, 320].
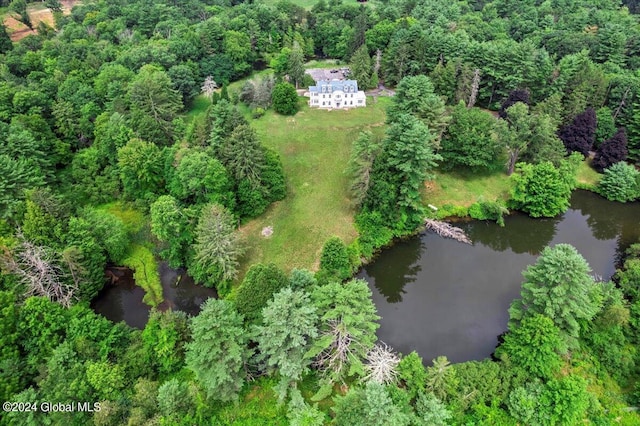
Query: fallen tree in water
[447, 230]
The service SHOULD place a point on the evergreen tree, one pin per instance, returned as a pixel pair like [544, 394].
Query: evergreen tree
[360, 67]
[605, 127]
[217, 248]
[611, 151]
[364, 152]
[295, 66]
[559, 286]
[258, 287]
[347, 328]
[285, 99]
[218, 352]
[5, 42]
[243, 155]
[288, 329]
[534, 345]
[621, 182]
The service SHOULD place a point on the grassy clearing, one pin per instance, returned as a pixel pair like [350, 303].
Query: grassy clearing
[307, 4]
[463, 188]
[314, 146]
[197, 107]
[587, 177]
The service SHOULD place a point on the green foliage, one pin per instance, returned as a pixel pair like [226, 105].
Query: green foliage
[273, 176]
[347, 326]
[176, 400]
[154, 105]
[369, 406]
[170, 223]
[412, 373]
[258, 287]
[285, 99]
[374, 233]
[199, 178]
[364, 152]
[16, 176]
[559, 286]
[360, 68]
[165, 336]
[430, 410]
[415, 96]
[108, 231]
[334, 261]
[217, 247]
[300, 413]
[218, 352]
[534, 345]
[140, 165]
[542, 190]
[488, 210]
[145, 272]
[287, 330]
[620, 182]
[565, 400]
[470, 141]
[10, 372]
[606, 127]
[41, 327]
[105, 378]
[441, 378]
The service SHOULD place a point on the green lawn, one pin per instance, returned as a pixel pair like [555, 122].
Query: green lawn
[307, 4]
[464, 188]
[587, 176]
[314, 146]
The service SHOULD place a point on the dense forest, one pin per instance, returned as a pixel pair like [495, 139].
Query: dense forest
[108, 157]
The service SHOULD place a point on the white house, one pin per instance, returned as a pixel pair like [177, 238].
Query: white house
[336, 94]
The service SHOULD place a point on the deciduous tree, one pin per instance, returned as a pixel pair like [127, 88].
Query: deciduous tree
[285, 99]
[611, 151]
[579, 136]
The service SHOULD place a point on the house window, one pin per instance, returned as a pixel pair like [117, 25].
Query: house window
[351, 102]
[323, 96]
[323, 103]
[360, 101]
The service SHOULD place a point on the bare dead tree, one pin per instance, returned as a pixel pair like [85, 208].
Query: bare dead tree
[381, 364]
[447, 230]
[622, 103]
[209, 86]
[36, 268]
[335, 357]
[475, 85]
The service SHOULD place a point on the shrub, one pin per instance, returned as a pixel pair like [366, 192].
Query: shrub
[621, 182]
[488, 210]
[373, 233]
[335, 263]
[285, 99]
[258, 286]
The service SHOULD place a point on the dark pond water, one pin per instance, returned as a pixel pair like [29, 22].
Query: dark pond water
[441, 297]
[123, 301]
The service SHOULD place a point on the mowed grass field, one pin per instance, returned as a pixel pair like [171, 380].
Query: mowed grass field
[314, 146]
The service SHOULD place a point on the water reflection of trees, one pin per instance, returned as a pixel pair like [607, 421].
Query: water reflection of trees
[399, 268]
[521, 234]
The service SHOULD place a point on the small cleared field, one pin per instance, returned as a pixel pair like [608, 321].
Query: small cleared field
[314, 146]
[38, 13]
[465, 188]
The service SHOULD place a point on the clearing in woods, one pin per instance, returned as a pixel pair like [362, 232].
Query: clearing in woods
[38, 13]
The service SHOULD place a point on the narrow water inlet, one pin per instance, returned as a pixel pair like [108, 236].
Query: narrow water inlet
[122, 300]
